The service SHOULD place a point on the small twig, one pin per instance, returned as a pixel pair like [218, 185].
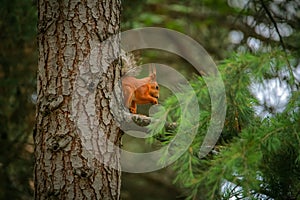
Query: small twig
[274, 23]
[280, 37]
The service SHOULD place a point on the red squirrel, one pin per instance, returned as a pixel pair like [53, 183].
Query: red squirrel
[140, 91]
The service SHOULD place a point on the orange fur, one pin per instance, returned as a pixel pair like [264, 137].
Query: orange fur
[140, 91]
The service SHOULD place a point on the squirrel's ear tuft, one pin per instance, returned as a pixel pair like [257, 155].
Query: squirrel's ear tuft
[152, 73]
[153, 69]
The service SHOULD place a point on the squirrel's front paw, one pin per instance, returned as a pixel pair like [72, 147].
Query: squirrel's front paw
[155, 101]
[132, 110]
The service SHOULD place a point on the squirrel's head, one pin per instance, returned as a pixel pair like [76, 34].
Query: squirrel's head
[154, 87]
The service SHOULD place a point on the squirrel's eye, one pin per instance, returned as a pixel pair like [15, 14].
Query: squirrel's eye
[157, 87]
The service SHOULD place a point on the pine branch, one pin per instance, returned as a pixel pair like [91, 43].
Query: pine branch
[139, 122]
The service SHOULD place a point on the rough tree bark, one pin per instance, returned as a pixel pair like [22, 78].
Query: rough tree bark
[76, 136]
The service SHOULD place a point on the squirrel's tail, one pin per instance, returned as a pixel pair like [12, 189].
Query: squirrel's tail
[129, 64]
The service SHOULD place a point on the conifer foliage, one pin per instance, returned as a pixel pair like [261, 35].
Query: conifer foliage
[257, 156]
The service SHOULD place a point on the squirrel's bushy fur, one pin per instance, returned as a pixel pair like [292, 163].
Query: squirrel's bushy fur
[137, 91]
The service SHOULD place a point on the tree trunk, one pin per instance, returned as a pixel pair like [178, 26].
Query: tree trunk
[77, 138]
